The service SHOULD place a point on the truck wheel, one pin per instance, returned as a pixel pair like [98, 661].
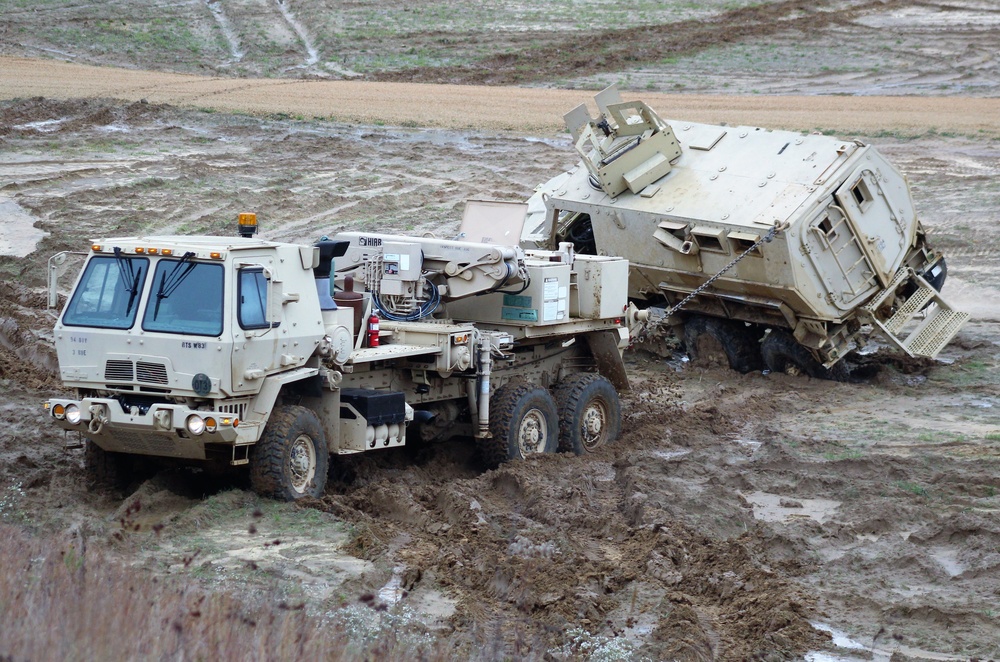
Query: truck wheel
[782, 353]
[523, 421]
[291, 458]
[590, 414]
[711, 339]
[104, 469]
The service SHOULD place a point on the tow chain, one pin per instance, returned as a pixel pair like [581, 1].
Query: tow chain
[653, 325]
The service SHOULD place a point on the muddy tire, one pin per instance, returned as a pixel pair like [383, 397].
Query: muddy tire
[523, 422]
[105, 469]
[291, 459]
[712, 339]
[782, 353]
[590, 414]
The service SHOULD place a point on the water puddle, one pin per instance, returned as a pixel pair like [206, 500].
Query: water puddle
[776, 508]
[42, 126]
[392, 592]
[671, 455]
[948, 559]
[875, 653]
[18, 234]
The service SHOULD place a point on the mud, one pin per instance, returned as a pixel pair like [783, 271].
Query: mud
[739, 516]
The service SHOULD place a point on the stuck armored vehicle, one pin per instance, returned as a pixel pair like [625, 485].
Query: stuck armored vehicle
[776, 247]
[232, 351]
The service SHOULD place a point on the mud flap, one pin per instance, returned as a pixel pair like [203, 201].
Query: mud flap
[608, 357]
[927, 337]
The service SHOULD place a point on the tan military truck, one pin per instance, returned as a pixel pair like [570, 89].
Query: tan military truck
[776, 247]
[234, 351]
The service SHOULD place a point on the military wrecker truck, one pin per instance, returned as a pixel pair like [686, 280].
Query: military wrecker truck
[231, 351]
[772, 248]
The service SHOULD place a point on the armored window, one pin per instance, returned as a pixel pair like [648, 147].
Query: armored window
[252, 293]
[108, 294]
[186, 297]
[827, 227]
[743, 241]
[862, 194]
[710, 239]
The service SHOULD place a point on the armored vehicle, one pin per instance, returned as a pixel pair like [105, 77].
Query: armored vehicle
[235, 351]
[777, 248]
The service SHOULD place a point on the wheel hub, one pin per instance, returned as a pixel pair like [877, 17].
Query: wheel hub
[302, 463]
[594, 424]
[532, 433]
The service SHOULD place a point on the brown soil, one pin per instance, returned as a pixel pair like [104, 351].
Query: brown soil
[738, 517]
[735, 511]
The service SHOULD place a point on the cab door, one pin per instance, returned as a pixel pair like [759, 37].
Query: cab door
[256, 343]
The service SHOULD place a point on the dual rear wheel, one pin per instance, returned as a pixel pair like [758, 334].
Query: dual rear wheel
[581, 414]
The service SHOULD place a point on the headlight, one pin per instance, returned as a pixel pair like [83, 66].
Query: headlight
[59, 412]
[195, 424]
[73, 414]
[211, 425]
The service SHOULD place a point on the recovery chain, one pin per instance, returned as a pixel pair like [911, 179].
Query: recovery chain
[653, 325]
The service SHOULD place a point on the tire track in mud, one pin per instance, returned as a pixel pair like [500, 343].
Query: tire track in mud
[534, 547]
[617, 49]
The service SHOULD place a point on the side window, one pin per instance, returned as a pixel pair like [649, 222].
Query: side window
[252, 293]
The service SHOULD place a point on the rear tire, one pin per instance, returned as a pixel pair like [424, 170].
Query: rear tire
[713, 339]
[590, 414]
[782, 353]
[523, 422]
[291, 459]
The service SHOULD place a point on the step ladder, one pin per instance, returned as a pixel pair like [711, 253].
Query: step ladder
[937, 324]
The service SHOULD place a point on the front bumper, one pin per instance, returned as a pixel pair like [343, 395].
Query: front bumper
[161, 431]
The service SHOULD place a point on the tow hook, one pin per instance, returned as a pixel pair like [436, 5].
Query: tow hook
[98, 417]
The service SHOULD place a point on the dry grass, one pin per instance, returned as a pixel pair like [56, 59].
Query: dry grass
[60, 601]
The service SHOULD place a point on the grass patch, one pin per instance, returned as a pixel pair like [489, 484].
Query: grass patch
[911, 487]
[852, 454]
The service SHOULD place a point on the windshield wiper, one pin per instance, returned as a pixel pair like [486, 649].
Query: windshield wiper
[130, 275]
[169, 282]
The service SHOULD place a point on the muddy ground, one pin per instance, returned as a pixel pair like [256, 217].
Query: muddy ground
[739, 516]
[735, 513]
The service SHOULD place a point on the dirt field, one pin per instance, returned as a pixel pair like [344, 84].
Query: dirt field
[739, 517]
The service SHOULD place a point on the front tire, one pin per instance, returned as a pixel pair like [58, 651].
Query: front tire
[590, 414]
[523, 422]
[103, 468]
[291, 459]
[782, 353]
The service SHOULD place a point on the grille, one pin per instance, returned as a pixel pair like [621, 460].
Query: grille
[151, 373]
[238, 409]
[118, 371]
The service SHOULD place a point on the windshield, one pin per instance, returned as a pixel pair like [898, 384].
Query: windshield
[186, 297]
[107, 295]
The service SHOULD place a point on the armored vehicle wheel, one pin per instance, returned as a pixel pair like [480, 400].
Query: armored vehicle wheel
[711, 339]
[104, 469]
[523, 421]
[782, 353]
[590, 414]
[291, 458]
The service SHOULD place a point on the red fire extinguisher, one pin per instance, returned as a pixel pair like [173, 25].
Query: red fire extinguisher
[373, 331]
